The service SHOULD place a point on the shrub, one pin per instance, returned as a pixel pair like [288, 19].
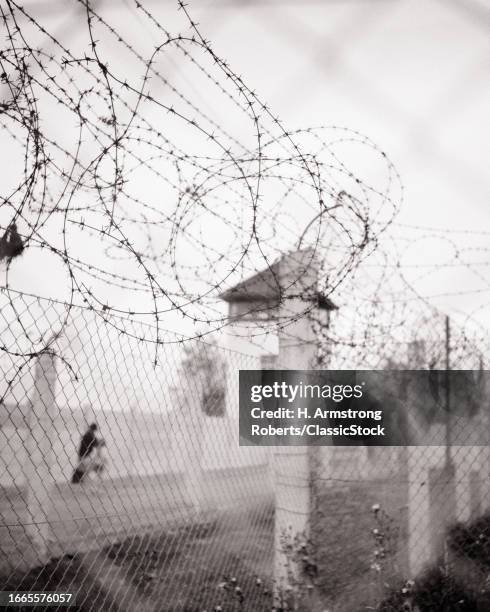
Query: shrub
[433, 591]
[437, 590]
[472, 541]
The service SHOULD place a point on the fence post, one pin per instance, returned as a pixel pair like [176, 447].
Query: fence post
[195, 433]
[297, 351]
[485, 450]
[464, 458]
[419, 551]
[39, 460]
[431, 504]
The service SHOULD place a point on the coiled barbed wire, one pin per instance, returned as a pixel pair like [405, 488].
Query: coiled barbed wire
[186, 215]
[155, 191]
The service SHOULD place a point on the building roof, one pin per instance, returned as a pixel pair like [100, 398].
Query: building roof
[264, 287]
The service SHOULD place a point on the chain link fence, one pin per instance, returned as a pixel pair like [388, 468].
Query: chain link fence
[176, 502]
[181, 516]
[408, 527]
[384, 518]
[149, 179]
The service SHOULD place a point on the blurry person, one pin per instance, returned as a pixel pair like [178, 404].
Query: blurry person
[86, 454]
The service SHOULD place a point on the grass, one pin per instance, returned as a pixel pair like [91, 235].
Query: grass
[459, 582]
[225, 562]
[472, 540]
[342, 534]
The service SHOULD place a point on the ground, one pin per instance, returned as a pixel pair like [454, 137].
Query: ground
[223, 561]
[90, 514]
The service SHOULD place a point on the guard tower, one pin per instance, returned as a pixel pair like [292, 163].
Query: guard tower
[260, 306]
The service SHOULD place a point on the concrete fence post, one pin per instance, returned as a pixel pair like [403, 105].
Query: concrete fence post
[485, 471]
[430, 504]
[419, 551]
[464, 459]
[298, 348]
[485, 450]
[194, 436]
[39, 461]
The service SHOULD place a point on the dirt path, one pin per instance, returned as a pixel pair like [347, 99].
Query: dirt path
[92, 515]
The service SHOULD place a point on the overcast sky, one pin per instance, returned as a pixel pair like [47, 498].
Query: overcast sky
[410, 74]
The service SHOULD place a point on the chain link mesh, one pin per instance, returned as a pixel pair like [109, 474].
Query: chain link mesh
[178, 501]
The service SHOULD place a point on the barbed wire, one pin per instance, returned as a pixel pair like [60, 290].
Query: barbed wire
[253, 188]
[152, 206]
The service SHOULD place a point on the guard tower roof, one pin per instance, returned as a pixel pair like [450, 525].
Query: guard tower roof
[264, 287]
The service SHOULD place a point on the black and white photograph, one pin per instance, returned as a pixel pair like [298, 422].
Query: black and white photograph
[244, 306]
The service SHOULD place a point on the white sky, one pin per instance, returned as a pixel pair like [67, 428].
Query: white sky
[410, 74]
